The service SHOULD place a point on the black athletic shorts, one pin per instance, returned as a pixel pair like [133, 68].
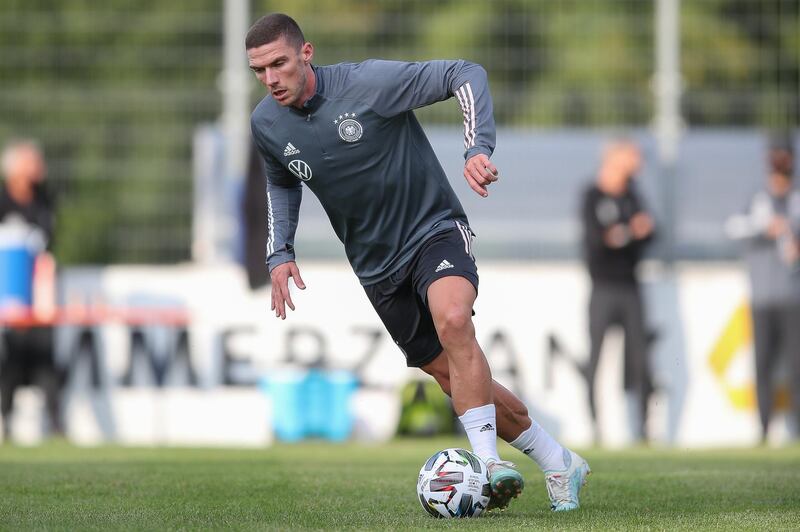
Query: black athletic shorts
[401, 300]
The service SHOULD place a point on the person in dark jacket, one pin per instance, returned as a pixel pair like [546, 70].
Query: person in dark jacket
[27, 354]
[254, 198]
[616, 228]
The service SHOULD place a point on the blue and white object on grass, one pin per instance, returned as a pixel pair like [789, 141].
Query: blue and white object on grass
[311, 403]
[454, 483]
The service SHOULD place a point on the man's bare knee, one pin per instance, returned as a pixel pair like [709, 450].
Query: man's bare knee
[454, 326]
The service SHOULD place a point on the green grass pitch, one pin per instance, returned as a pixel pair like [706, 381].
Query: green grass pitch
[345, 487]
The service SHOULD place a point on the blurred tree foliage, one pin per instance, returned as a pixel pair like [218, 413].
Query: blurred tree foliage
[741, 62]
[114, 89]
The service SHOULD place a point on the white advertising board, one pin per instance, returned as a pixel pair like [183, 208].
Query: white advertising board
[702, 357]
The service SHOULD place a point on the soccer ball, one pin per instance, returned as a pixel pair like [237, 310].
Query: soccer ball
[454, 483]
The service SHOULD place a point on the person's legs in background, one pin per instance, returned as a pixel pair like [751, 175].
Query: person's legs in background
[47, 375]
[791, 338]
[602, 311]
[637, 378]
[12, 372]
[29, 359]
[765, 340]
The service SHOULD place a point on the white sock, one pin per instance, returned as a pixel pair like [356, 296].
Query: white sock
[541, 448]
[480, 424]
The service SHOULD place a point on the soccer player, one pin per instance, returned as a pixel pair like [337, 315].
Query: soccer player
[348, 132]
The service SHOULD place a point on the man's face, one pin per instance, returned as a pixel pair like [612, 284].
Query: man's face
[282, 69]
[781, 161]
[28, 166]
[634, 160]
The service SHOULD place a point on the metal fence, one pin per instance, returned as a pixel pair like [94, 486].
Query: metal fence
[115, 89]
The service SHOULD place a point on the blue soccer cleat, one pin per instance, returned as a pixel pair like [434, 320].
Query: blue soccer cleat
[564, 486]
[506, 483]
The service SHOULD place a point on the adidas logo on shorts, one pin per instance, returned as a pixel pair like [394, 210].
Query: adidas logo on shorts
[444, 265]
[290, 150]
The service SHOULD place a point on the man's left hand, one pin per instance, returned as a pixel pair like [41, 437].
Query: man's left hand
[480, 173]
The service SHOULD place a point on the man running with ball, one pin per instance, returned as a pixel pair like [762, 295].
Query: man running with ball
[348, 132]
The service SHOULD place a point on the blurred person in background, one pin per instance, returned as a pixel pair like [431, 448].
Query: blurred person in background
[616, 228]
[349, 133]
[253, 200]
[770, 229]
[27, 355]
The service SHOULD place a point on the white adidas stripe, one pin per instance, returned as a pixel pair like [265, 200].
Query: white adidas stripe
[270, 226]
[467, 102]
[463, 106]
[467, 237]
[471, 112]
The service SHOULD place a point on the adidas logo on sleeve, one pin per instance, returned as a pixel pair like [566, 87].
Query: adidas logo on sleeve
[290, 150]
[444, 265]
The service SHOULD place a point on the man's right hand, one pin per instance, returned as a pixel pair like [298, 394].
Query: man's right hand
[480, 173]
[641, 225]
[280, 287]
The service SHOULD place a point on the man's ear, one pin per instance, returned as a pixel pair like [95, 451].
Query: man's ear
[307, 52]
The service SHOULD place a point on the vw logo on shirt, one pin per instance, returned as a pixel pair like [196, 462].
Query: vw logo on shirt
[300, 169]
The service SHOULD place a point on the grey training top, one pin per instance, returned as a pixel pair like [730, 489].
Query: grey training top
[358, 146]
[773, 280]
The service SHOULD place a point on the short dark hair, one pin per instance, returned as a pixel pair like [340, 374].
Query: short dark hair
[272, 27]
[781, 152]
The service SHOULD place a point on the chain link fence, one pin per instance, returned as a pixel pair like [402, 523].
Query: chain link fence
[114, 90]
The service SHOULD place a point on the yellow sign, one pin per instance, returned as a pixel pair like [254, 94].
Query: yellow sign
[735, 337]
